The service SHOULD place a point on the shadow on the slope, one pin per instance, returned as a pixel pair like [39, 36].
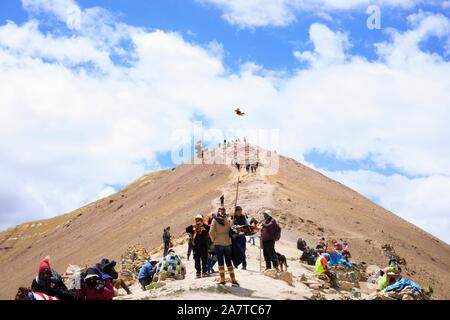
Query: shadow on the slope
[240, 292]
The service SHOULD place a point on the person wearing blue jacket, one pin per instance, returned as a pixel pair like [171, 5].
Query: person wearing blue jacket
[147, 272]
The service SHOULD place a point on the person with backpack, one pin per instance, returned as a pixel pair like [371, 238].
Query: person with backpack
[199, 232]
[50, 282]
[240, 223]
[166, 240]
[270, 232]
[220, 234]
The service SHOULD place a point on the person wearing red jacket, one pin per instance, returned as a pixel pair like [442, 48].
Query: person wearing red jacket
[96, 287]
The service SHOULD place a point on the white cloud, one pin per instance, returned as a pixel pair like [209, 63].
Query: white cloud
[422, 201]
[259, 13]
[329, 46]
[65, 10]
[73, 123]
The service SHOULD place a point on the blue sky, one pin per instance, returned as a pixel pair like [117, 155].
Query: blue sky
[366, 107]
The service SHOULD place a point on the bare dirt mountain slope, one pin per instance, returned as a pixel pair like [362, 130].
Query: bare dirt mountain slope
[307, 204]
[107, 227]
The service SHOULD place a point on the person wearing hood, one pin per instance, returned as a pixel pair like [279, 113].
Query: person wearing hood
[241, 223]
[268, 240]
[199, 231]
[50, 282]
[220, 235]
[96, 287]
[147, 272]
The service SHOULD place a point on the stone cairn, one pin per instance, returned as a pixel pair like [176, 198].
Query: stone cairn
[133, 259]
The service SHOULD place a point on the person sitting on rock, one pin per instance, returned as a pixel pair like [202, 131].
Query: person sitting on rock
[309, 256]
[199, 232]
[301, 244]
[220, 234]
[108, 267]
[170, 266]
[147, 272]
[323, 268]
[96, 287]
[50, 282]
[321, 246]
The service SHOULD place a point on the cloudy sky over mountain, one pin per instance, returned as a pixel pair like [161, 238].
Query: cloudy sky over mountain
[95, 93]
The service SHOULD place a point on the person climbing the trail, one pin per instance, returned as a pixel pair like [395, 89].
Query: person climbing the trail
[247, 168]
[220, 234]
[199, 231]
[96, 287]
[50, 282]
[166, 240]
[171, 266]
[322, 267]
[222, 201]
[240, 224]
[147, 272]
[268, 238]
[254, 231]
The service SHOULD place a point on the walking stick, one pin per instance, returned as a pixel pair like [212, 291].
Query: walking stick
[237, 192]
[260, 254]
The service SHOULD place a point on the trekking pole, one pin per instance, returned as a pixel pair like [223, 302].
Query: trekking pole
[237, 192]
[260, 254]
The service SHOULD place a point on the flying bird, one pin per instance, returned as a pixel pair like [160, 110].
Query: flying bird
[239, 112]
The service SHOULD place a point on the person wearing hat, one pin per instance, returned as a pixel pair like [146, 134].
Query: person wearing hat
[322, 267]
[199, 231]
[96, 287]
[268, 230]
[108, 267]
[50, 282]
[220, 235]
[240, 223]
[147, 272]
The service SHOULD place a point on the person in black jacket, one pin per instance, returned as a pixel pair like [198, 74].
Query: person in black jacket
[200, 234]
[241, 227]
[166, 240]
[50, 282]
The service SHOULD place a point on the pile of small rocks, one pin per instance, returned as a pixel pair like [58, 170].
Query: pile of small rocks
[133, 259]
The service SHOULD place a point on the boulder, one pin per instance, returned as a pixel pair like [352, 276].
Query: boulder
[346, 286]
[372, 269]
[285, 276]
